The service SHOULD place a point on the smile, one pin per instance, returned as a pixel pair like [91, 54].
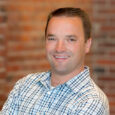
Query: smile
[60, 57]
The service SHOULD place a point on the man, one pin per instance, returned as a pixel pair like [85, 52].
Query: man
[67, 88]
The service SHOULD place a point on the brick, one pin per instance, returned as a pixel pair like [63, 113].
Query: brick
[109, 78]
[99, 70]
[107, 45]
[102, 2]
[98, 53]
[112, 36]
[112, 70]
[112, 104]
[111, 86]
[108, 28]
[26, 57]
[112, 2]
[1, 64]
[3, 9]
[2, 97]
[20, 8]
[100, 20]
[106, 62]
[2, 75]
[2, 32]
[106, 11]
[3, 19]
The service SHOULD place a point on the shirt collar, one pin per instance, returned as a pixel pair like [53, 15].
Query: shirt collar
[44, 79]
[79, 81]
[75, 84]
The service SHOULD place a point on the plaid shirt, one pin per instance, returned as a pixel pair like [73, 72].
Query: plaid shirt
[33, 95]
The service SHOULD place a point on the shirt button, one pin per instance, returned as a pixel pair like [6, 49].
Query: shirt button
[48, 92]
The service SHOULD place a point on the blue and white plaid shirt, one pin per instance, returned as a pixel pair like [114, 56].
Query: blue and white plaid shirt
[33, 95]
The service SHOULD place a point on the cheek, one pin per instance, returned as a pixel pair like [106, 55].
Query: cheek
[49, 47]
[77, 49]
[73, 47]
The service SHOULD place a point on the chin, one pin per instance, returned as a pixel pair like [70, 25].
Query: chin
[60, 71]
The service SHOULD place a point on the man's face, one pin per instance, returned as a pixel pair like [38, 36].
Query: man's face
[65, 45]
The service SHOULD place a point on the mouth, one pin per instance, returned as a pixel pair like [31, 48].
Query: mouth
[60, 57]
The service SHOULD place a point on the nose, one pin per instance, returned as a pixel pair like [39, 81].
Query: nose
[60, 46]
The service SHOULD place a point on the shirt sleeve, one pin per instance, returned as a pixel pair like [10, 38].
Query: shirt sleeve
[92, 107]
[12, 104]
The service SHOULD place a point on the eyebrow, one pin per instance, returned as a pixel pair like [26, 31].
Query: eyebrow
[69, 36]
[74, 36]
[49, 35]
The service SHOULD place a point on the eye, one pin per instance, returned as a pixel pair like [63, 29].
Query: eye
[51, 38]
[72, 39]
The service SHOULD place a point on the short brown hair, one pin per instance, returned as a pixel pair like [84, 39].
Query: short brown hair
[72, 12]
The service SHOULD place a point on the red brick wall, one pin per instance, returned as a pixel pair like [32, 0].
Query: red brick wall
[22, 51]
[3, 33]
[104, 47]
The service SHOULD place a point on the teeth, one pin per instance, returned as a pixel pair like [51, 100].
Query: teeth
[61, 56]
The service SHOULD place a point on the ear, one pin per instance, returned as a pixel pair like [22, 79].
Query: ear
[88, 45]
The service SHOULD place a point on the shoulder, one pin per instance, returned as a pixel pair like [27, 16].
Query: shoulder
[96, 93]
[92, 106]
[30, 79]
[95, 99]
[25, 83]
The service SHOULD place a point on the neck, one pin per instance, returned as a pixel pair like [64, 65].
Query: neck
[58, 79]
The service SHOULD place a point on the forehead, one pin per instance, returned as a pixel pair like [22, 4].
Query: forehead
[65, 18]
[61, 23]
